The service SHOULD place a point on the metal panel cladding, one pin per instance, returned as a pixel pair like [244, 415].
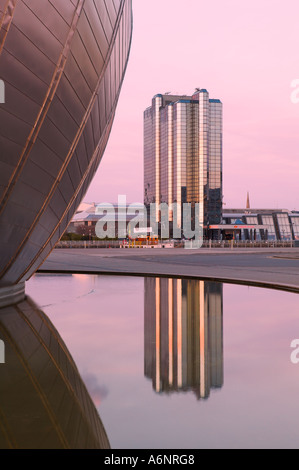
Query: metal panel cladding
[62, 63]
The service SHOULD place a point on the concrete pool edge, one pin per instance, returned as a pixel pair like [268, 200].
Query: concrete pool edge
[271, 269]
[244, 282]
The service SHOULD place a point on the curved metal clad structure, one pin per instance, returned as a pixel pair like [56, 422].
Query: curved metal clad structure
[62, 63]
[44, 402]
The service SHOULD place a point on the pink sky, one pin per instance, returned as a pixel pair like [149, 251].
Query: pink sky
[244, 53]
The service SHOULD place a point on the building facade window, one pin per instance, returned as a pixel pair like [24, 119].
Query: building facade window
[183, 153]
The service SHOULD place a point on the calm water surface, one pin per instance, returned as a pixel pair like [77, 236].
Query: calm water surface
[180, 363]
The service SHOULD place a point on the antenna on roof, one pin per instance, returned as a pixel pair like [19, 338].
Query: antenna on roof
[197, 89]
[167, 93]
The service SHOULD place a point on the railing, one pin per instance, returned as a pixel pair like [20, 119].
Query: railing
[88, 244]
[178, 244]
[249, 244]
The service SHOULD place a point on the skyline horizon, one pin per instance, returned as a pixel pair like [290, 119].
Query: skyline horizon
[260, 135]
[129, 202]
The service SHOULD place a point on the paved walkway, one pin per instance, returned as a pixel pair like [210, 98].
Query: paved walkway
[278, 268]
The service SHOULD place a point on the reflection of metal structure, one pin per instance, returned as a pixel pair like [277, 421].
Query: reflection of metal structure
[63, 64]
[183, 335]
[43, 401]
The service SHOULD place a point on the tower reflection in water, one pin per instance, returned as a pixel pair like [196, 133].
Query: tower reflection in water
[183, 335]
[43, 400]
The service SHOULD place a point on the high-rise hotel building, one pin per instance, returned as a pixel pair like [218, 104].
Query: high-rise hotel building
[183, 153]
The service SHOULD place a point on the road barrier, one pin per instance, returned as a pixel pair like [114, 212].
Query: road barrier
[177, 244]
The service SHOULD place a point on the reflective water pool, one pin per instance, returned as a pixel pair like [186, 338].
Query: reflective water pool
[173, 363]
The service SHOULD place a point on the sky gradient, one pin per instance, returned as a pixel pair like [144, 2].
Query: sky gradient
[244, 53]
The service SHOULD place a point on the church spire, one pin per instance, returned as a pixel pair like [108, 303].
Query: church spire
[248, 201]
